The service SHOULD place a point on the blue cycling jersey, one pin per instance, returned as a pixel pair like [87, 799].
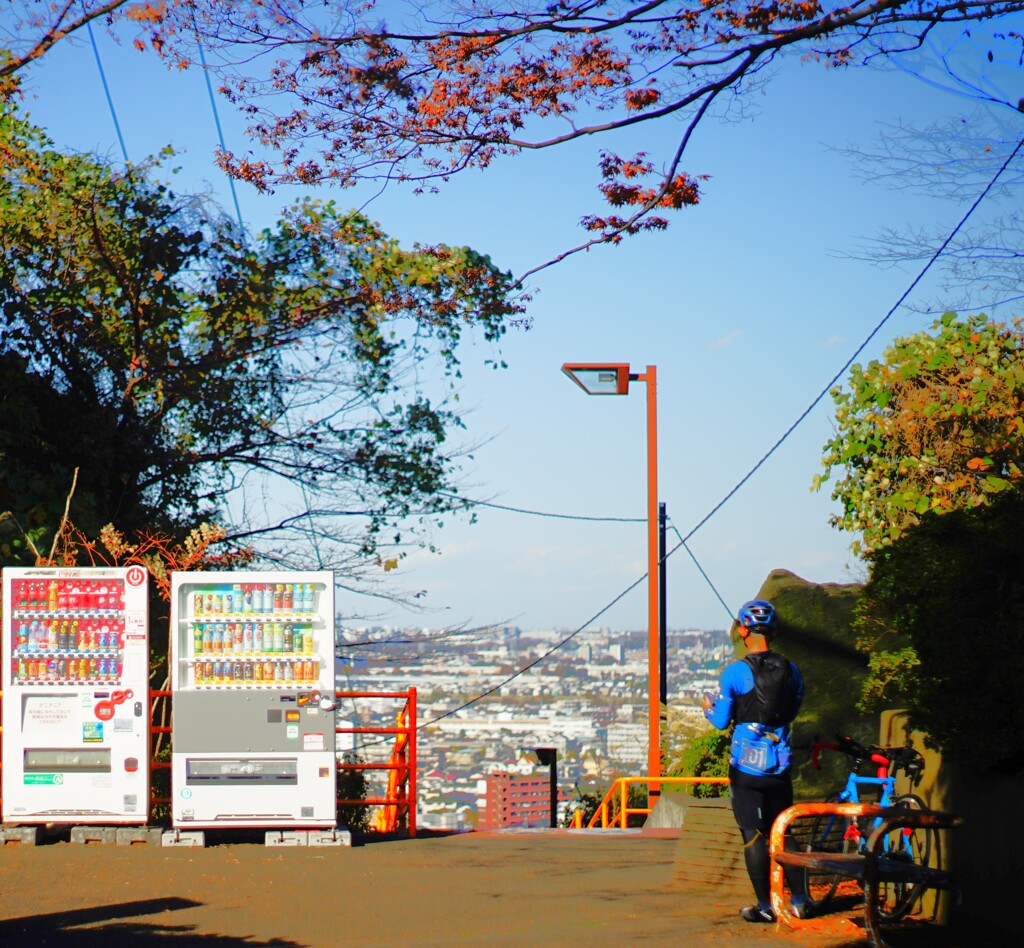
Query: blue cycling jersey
[755, 748]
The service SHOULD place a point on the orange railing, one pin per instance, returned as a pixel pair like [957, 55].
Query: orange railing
[398, 805]
[609, 816]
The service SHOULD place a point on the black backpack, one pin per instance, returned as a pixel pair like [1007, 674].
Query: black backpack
[772, 700]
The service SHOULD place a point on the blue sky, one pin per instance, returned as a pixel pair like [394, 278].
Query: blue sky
[746, 305]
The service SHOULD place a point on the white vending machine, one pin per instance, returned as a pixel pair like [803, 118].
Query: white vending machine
[75, 695]
[253, 711]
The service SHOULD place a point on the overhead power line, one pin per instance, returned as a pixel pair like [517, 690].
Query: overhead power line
[541, 513]
[871, 335]
[106, 92]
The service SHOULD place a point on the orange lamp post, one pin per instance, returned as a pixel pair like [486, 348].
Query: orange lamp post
[614, 379]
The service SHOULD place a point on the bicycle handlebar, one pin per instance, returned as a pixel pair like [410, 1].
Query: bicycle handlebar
[902, 758]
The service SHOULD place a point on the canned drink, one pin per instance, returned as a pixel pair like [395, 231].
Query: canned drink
[114, 669]
[237, 672]
[103, 668]
[208, 671]
[238, 638]
[62, 667]
[197, 604]
[247, 671]
[268, 671]
[51, 668]
[71, 670]
[257, 671]
[197, 673]
[218, 671]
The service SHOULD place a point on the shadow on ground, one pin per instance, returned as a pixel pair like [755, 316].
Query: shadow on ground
[101, 926]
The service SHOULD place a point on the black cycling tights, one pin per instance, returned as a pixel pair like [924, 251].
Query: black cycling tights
[755, 855]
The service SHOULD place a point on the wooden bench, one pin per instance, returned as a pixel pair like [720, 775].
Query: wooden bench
[870, 867]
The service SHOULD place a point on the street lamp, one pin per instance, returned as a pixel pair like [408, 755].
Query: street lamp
[613, 378]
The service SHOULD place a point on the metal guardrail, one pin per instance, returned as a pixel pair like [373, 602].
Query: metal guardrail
[608, 816]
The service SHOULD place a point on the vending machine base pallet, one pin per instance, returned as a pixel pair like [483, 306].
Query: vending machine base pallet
[94, 834]
[25, 835]
[316, 837]
[193, 838]
[338, 837]
[140, 835]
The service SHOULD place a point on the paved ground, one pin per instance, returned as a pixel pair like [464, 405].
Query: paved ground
[532, 888]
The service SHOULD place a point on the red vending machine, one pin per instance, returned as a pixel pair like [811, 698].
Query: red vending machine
[75, 683]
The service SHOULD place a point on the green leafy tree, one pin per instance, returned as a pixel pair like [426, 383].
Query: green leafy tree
[937, 425]
[706, 755]
[942, 619]
[299, 385]
[930, 443]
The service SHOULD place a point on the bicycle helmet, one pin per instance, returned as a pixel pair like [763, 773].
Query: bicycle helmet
[757, 615]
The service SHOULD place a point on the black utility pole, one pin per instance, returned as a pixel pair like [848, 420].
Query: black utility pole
[662, 605]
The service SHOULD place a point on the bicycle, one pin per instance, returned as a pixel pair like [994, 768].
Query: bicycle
[835, 834]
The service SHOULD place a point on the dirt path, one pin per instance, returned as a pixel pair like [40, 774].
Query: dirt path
[473, 889]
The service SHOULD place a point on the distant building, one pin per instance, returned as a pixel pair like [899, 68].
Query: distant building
[517, 800]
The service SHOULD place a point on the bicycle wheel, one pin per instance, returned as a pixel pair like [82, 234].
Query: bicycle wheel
[917, 845]
[828, 835]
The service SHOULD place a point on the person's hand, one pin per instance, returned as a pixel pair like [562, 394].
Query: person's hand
[706, 702]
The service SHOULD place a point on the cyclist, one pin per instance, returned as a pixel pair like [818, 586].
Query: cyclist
[759, 696]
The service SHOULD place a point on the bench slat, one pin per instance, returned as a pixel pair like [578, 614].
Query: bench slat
[852, 866]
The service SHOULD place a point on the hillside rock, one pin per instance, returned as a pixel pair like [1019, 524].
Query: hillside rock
[815, 632]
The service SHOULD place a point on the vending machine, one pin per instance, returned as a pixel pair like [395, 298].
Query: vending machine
[253, 712]
[75, 695]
